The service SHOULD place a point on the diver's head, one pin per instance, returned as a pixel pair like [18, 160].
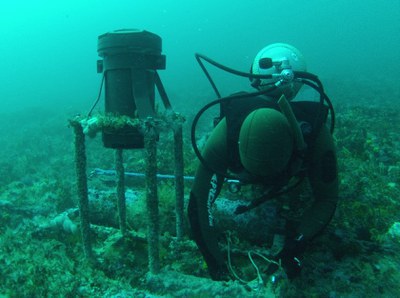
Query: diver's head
[265, 143]
[283, 56]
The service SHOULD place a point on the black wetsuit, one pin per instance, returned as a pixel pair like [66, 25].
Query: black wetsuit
[220, 152]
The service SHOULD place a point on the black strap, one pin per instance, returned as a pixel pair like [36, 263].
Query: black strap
[161, 91]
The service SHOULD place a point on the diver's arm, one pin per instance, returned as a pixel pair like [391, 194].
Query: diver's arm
[205, 190]
[324, 182]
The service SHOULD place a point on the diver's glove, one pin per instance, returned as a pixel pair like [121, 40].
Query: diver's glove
[290, 257]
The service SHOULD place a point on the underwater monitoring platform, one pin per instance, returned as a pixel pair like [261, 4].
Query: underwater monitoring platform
[129, 64]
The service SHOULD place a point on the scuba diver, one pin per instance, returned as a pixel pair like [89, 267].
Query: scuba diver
[267, 138]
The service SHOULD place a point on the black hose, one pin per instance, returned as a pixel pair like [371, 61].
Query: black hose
[305, 78]
[231, 70]
[227, 69]
[198, 56]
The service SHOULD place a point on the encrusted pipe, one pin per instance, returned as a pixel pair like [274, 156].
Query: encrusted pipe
[179, 185]
[121, 202]
[81, 181]
[153, 224]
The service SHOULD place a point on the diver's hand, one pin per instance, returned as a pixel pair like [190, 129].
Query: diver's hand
[292, 266]
[290, 257]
